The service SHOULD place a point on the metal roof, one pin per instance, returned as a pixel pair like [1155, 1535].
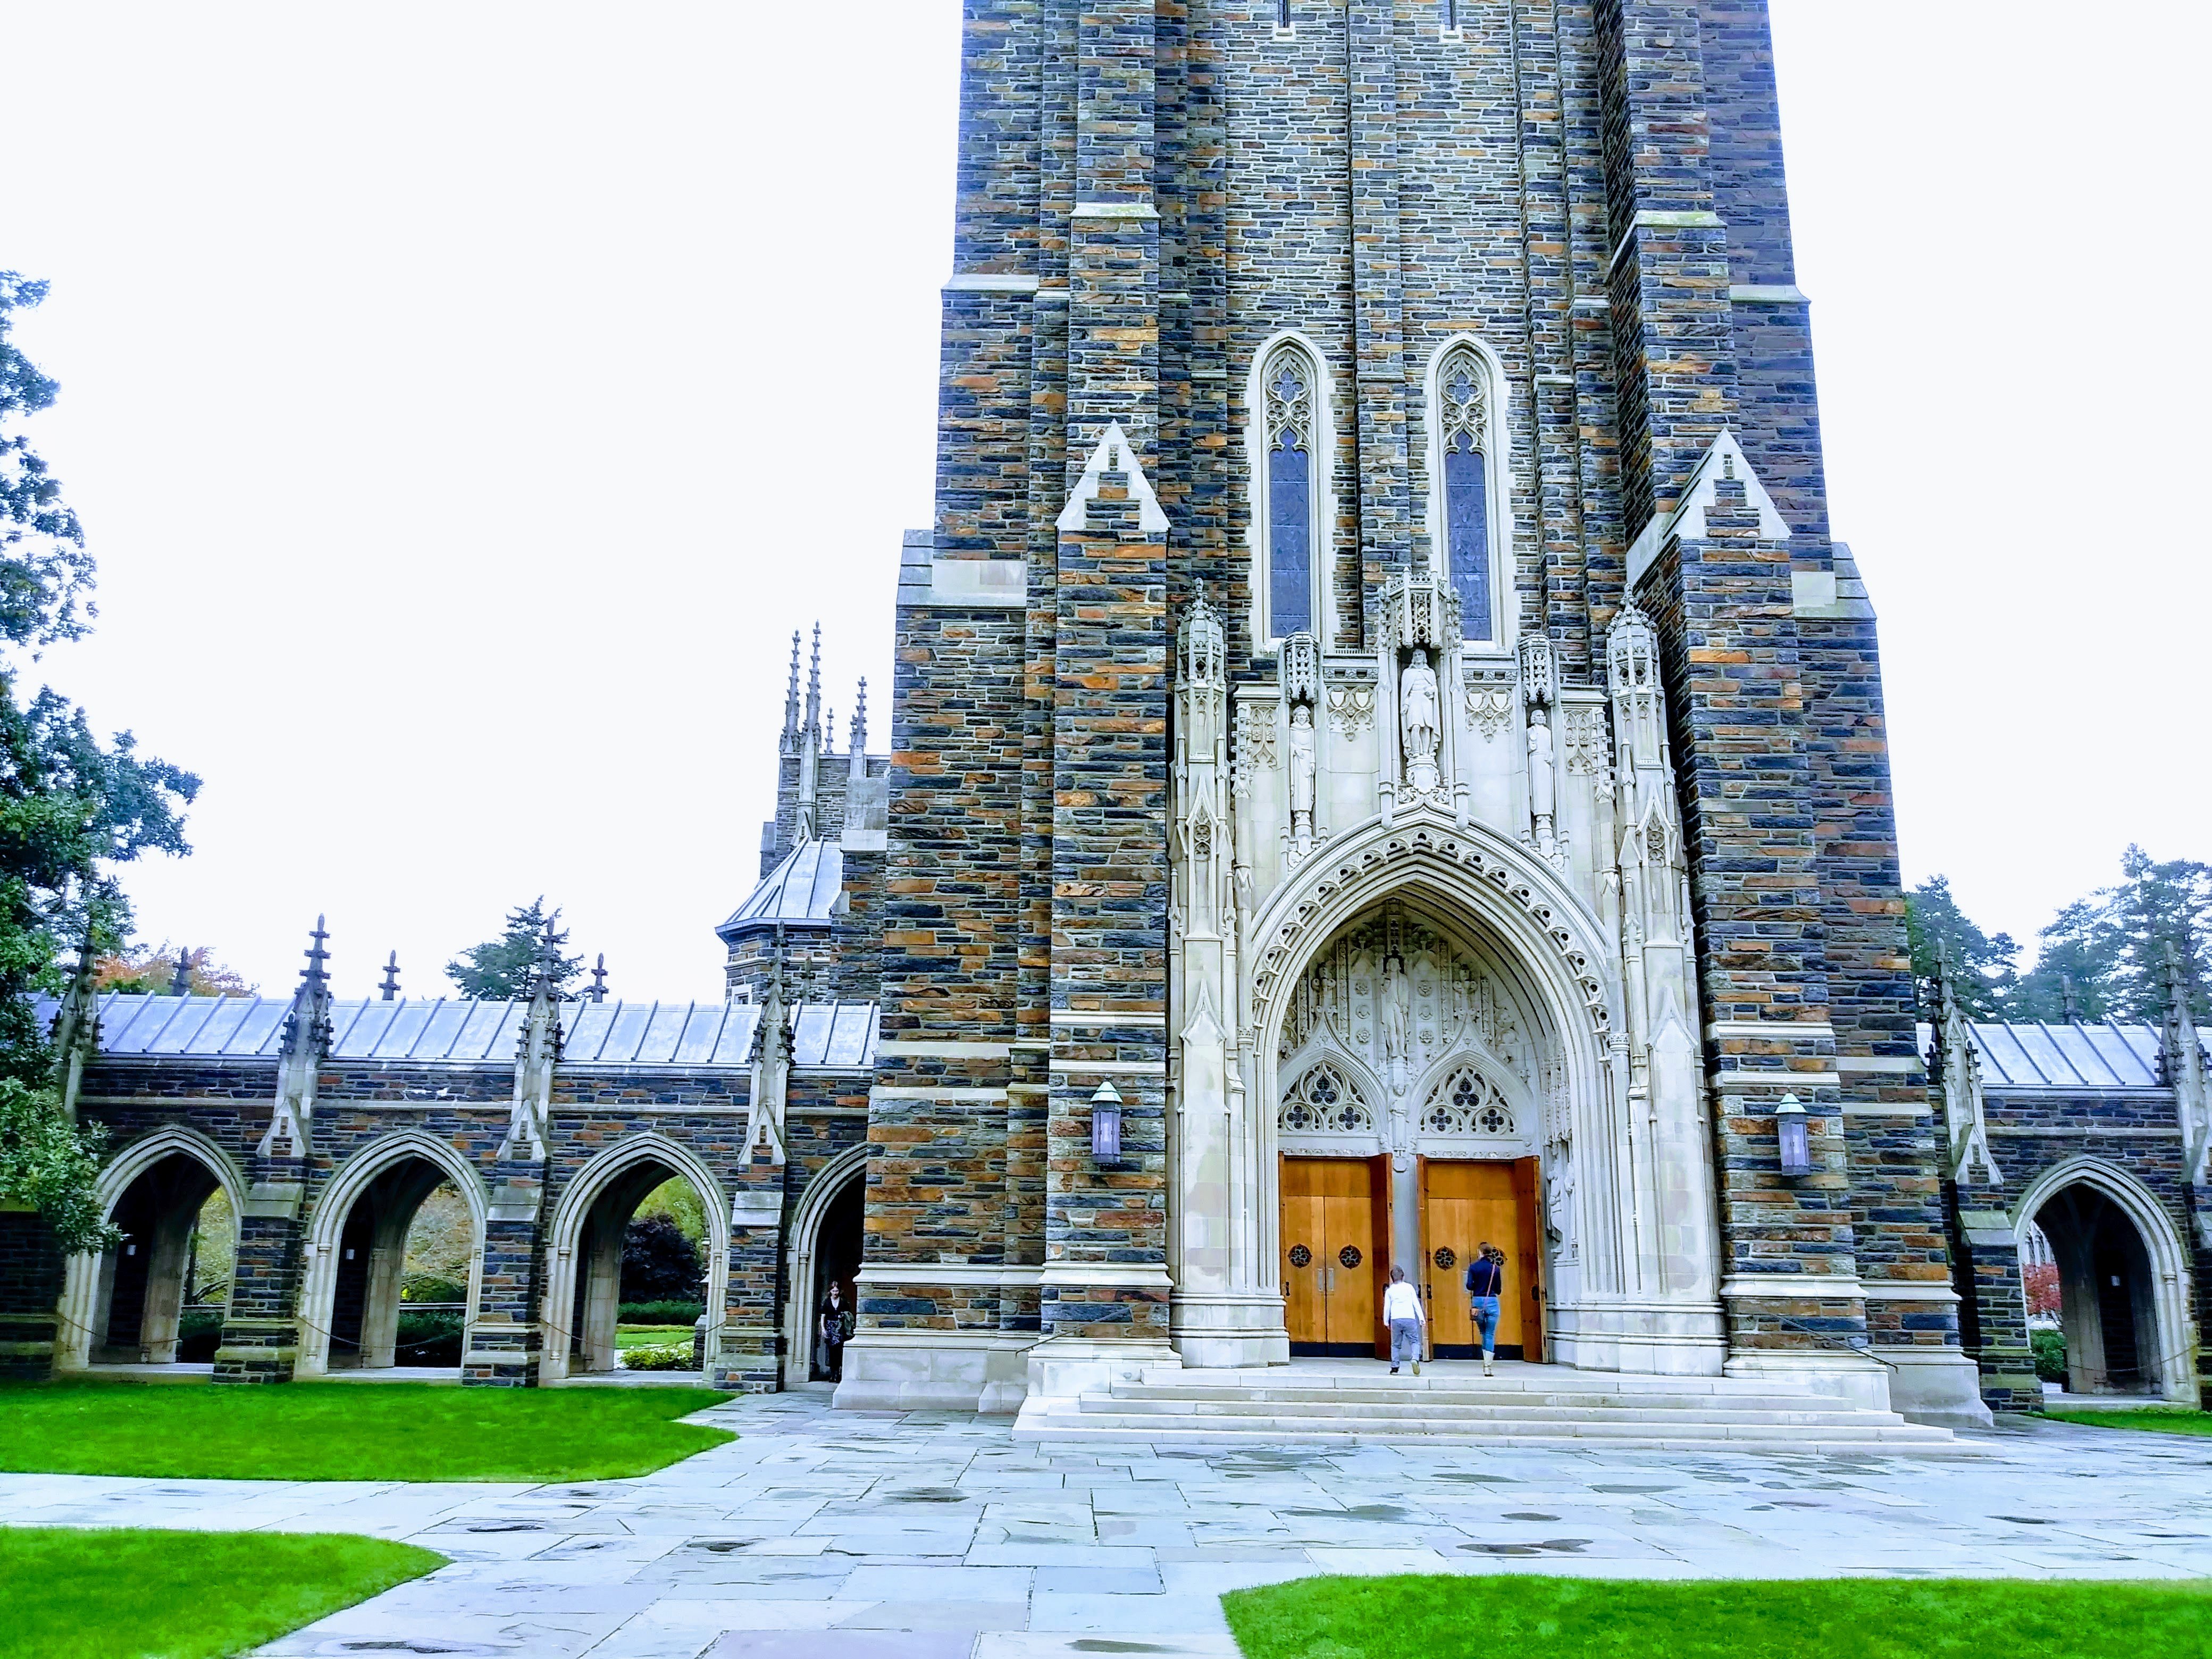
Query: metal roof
[2032, 1054]
[802, 891]
[696, 1034]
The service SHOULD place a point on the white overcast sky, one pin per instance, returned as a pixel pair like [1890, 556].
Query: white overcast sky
[464, 401]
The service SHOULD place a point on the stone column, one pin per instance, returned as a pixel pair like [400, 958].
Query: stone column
[261, 1332]
[507, 1336]
[745, 1353]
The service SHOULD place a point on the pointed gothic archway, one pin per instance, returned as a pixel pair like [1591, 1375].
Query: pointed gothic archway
[2124, 1280]
[826, 1233]
[155, 1189]
[1633, 1281]
[356, 1246]
[583, 1267]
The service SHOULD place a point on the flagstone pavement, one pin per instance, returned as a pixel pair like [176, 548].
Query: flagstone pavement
[929, 1535]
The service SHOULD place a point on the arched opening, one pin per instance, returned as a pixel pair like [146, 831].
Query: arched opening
[836, 1260]
[634, 1250]
[823, 1249]
[164, 1289]
[1420, 1085]
[400, 1283]
[2107, 1294]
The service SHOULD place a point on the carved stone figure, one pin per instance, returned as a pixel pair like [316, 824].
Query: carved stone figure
[1543, 788]
[1302, 772]
[1420, 719]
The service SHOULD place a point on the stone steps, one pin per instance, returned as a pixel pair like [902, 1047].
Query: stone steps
[1526, 1409]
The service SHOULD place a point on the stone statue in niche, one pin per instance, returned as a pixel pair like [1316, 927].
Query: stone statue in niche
[1420, 719]
[1302, 773]
[1543, 786]
[1397, 1023]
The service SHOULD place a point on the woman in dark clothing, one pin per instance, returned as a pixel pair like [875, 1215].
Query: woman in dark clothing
[1486, 1285]
[835, 1325]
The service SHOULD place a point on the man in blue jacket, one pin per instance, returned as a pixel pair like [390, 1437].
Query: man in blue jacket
[1485, 1284]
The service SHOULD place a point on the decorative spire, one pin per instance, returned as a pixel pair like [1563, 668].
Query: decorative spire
[2072, 1001]
[391, 986]
[76, 1027]
[537, 1052]
[791, 700]
[2185, 1066]
[857, 757]
[828, 729]
[813, 724]
[180, 982]
[307, 1044]
[599, 991]
[313, 996]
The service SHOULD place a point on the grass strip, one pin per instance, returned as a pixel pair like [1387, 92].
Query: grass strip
[70, 1593]
[1495, 1616]
[2157, 1419]
[348, 1430]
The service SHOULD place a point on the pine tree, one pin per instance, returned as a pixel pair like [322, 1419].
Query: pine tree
[503, 969]
[1983, 969]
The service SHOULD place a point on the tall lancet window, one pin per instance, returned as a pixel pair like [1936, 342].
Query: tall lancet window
[1289, 387]
[1463, 397]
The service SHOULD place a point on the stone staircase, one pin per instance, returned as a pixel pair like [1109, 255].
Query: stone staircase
[1524, 1407]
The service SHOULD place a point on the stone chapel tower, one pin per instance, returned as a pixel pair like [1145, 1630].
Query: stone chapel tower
[1381, 723]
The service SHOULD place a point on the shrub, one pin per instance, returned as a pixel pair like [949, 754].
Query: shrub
[658, 1263]
[429, 1287]
[199, 1333]
[428, 1339]
[659, 1313]
[2050, 1348]
[675, 1358]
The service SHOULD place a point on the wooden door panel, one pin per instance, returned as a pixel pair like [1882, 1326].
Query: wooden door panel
[1467, 1205]
[1349, 1229]
[1328, 1207]
[1302, 1255]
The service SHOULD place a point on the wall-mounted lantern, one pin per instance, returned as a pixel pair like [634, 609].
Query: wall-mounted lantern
[1106, 1125]
[1790, 1131]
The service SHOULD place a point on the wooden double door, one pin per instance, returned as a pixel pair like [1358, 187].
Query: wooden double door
[1337, 1227]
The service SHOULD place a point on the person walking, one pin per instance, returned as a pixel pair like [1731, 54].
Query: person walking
[834, 1325]
[1486, 1285]
[1401, 1311]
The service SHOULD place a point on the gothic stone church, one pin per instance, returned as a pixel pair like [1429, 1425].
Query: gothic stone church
[1386, 756]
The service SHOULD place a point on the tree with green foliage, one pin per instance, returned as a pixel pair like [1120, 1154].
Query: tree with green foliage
[2112, 945]
[503, 969]
[71, 809]
[1983, 968]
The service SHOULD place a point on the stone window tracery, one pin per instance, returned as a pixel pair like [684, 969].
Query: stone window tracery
[1325, 1102]
[1289, 391]
[1464, 397]
[1467, 1103]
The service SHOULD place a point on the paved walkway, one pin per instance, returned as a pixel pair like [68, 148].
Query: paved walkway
[928, 1535]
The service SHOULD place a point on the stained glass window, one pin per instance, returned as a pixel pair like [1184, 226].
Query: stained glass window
[1464, 417]
[1290, 397]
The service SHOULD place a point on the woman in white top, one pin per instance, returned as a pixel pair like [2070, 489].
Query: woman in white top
[1401, 1311]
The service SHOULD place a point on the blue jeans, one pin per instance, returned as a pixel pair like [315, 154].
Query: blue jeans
[1484, 1309]
[1405, 1342]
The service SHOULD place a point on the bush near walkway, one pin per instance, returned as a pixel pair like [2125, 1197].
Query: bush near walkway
[1507, 1616]
[71, 1592]
[348, 1430]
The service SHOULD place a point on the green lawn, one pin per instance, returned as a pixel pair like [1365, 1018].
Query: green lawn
[1513, 1617]
[653, 1336]
[2161, 1419]
[348, 1430]
[66, 1592]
